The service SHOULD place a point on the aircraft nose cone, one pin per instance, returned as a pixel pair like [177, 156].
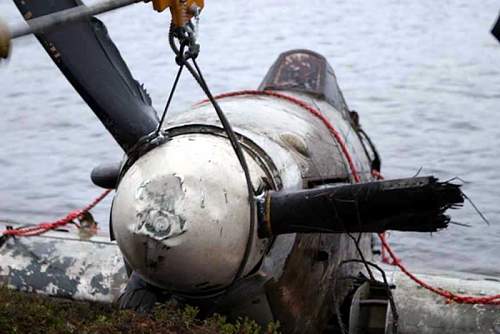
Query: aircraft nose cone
[181, 215]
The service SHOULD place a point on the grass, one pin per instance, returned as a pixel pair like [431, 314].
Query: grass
[29, 313]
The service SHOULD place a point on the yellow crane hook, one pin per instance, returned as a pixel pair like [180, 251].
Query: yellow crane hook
[182, 10]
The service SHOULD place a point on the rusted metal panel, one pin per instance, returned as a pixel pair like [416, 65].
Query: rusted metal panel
[303, 297]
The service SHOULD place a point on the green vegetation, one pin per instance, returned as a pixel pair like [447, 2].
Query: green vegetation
[27, 313]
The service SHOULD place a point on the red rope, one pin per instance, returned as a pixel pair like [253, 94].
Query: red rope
[394, 260]
[307, 107]
[30, 231]
[376, 174]
[450, 296]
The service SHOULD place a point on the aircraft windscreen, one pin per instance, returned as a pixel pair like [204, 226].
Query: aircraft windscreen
[307, 72]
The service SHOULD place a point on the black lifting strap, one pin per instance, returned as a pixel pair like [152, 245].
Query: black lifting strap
[188, 51]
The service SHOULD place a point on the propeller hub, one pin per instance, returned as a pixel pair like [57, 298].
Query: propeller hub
[181, 215]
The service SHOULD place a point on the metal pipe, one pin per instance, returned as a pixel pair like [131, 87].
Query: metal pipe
[48, 22]
[51, 21]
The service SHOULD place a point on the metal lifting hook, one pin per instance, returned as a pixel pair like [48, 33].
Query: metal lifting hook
[182, 10]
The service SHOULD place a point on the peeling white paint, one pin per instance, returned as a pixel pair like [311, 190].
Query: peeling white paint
[159, 209]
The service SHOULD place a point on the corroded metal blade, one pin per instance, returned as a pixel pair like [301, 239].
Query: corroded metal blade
[88, 58]
[413, 204]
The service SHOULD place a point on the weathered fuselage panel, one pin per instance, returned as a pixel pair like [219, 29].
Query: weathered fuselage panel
[61, 264]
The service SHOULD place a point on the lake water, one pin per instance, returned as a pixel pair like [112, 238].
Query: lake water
[424, 76]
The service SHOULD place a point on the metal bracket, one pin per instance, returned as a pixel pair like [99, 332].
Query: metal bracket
[370, 309]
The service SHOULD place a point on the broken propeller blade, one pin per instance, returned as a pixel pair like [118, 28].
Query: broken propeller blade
[414, 204]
